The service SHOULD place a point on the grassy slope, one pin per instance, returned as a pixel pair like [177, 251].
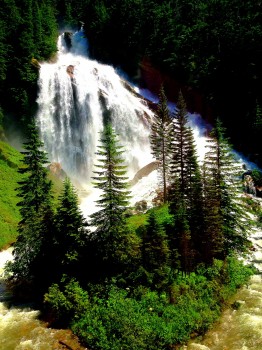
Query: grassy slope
[9, 213]
[10, 160]
[163, 216]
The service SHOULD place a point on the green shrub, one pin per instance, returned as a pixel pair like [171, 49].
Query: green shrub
[257, 177]
[69, 301]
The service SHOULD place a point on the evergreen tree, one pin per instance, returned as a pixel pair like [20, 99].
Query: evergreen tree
[211, 241]
[109, 221]
[225, 221]
[35, 208]
[181, 145]
[185, 191]
[70, 233]
[155, 253]
[160, 139]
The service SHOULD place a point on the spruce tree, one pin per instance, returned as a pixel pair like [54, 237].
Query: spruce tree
[185, 192]
[35, 209]
[156, 254]
[222, 193]
[109, 220]
[160, 139]
[70, 233]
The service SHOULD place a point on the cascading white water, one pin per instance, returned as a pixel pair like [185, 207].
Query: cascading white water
[76, 96]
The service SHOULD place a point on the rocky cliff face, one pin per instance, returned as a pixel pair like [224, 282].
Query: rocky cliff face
[151, 78]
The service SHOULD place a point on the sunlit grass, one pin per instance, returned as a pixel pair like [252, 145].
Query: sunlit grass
[9, 213]
[10, 161]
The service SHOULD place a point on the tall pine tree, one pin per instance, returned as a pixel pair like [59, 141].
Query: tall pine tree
[160, 139]
[70, 234]
[155, 253]
[110, 233]
[185, 192]
[35, 209]
[225, 221]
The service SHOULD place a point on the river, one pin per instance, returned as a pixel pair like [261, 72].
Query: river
[20, 327]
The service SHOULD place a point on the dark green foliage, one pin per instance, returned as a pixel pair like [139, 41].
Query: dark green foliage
[186, 189]
[111, 232]
[112, 181]
[70, 237]
[70, 302]
[155, 253]
[35, 209]
[28, 30]
[158, 321]
[184, 166]
[225, 220]
[161, 140]
[257, 177]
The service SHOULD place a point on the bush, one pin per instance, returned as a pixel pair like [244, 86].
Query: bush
[138, 318]
[257, 177]
[70, 302]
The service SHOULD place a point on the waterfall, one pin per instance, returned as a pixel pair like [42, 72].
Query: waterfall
[76, 97]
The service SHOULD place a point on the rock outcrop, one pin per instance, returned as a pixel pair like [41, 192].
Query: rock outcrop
[152, 78]
[68, 39]
[70, 71]
[56, 169]
[146, 170]
[35, 63]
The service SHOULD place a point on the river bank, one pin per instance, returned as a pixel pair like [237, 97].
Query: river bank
[240, 328]
[21, 328]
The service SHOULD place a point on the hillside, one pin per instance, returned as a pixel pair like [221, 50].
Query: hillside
[10, 160]
[9, 214]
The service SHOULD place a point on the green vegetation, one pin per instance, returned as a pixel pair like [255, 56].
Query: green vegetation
[28, 34]
[154, 281]
[151, 280]
[257, 177]
[161, 140]
[134, 281]
[139, 318]
[9, 162]
[34, 190]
